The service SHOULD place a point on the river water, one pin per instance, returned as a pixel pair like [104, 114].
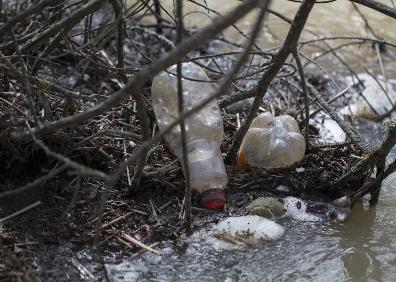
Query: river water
[361, 249]
[326, 20]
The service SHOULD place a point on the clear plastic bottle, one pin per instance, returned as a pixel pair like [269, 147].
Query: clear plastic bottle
[204, 129]
[272, 142]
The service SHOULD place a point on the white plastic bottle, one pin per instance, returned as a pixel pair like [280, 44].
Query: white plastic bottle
[204, 129]
[272, 142]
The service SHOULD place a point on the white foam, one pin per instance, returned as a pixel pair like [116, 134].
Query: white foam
[297, 209]
[127, 270]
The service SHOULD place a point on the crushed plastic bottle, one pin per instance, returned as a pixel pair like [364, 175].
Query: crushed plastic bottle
[204, 129]
[272, 142]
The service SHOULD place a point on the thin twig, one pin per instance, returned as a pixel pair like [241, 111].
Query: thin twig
[84, 170]
[21, 211]
[351, 131]
[132, 240]
[187, 195]
[65, 24]
[25, 81]
[305, 92]
[26, 13]
[39, 181]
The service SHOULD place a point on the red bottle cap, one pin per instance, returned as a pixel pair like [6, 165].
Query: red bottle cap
[213, 199]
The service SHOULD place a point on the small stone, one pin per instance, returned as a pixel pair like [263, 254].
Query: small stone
[267, 207]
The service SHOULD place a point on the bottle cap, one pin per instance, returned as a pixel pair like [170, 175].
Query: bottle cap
[213, 199]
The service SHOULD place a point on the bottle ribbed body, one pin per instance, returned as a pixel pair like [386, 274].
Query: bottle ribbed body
[204, 129]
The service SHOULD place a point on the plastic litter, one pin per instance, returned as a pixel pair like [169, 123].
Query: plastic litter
[248, 230]
[204, 129]
[272, 142]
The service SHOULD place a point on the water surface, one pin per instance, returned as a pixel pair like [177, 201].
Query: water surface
[338, 18]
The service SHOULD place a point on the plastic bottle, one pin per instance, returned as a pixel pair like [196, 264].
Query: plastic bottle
[204, 130]
[272, 142]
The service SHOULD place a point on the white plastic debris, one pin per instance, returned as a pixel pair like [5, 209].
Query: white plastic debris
[297, 209]
[248, 230]
[373, 95]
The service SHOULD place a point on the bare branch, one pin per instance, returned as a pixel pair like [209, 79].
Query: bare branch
[187, 194]
[37, 182]
[120, 36]
[379, 7]
[84, 170]
[305, 92]
[135, 84]
[65, 24]
[351, 132]
[26, 13]
[288, 46]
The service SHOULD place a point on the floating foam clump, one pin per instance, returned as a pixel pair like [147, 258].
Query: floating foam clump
[248, 230]
[297, 209]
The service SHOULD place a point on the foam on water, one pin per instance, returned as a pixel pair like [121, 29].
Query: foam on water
[297, 209]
